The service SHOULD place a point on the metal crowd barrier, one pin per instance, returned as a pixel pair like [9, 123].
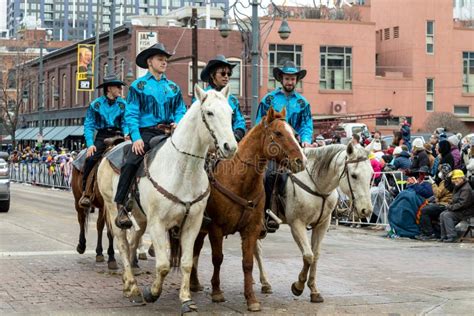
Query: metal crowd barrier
[381, 198]
[55, 175]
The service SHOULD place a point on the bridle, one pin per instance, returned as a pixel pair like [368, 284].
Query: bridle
[346, 172]
[211, 132]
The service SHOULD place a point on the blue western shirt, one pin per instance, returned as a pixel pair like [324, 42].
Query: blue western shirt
[152, 102]
[298, 111]
[101, 114]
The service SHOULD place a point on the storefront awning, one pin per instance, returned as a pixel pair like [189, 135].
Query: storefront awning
[64, 133]
[31, 135]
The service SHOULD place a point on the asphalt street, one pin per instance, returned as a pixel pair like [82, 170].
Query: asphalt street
[360, 271]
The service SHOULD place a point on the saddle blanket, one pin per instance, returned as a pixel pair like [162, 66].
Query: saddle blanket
[80, 160]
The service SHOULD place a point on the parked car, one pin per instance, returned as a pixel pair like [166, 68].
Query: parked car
[4, 186]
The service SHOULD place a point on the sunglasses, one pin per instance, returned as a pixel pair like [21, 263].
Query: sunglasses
[224, 73]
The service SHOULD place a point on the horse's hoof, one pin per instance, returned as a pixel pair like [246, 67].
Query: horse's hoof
[137, 299]
[188, 307]
[218, 297]
[148, 296]
[136, 271]
[254, 307]
[81, 249]
[142, 256]
[295, 291]
[267, 289]
[196, 287]
[99, 258]
[112, 265]
[316, 298]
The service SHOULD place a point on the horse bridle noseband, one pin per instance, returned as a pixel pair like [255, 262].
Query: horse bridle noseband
[345, 171]
[213, 135]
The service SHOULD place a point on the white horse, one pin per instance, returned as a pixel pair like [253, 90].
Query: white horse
[327, 168]
[175, 193]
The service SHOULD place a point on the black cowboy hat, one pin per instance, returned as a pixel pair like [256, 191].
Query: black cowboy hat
[289, 68]
[157, 49]
[111, 81]
[219, 60]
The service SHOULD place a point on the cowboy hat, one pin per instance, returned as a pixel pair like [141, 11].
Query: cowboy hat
[157, 49]
[219, 60]
[111, 81]
[289, 68]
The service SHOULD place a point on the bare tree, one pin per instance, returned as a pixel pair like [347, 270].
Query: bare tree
[449, 121]
[18, 80]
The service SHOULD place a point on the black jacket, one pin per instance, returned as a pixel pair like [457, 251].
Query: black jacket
[446, 156]
[420, 159]
[463, 200]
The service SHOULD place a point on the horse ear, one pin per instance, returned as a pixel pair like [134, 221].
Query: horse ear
[199, 93]
[283, 112]
[270, 114]
[350, 149]
[226, 91]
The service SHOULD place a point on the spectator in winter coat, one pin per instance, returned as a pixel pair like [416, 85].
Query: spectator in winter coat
[429, 153]
[402, 159]
[443, 196]
[445, 152]
[462, 206]
[377, 167]
[406, 134]
[434, 140]
[420, 158]
[454, 142]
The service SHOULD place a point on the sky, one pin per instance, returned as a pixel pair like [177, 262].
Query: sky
[3, 14]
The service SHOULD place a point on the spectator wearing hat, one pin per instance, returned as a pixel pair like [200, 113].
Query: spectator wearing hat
[454, 143]
[420, 158]
[461, 207]
[429, 153]
[401, 159]
[298, 115]
[444, 149]
[443, 196]
[106, 115]
[153, 101]
[217, 74]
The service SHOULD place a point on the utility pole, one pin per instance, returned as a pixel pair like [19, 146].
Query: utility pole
[110, 67]
[255, 57]
[97, 47]
[194, 20]
[40, 93]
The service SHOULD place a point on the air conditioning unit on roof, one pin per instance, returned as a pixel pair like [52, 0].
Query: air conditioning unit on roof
[339, 107]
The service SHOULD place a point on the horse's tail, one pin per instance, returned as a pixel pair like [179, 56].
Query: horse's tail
[175, 249]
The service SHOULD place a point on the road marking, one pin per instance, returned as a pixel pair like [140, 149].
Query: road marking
[41, 253]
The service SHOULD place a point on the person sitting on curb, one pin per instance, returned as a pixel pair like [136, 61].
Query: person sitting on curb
[462, 206]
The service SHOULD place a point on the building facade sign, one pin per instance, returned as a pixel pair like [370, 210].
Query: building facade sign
[85, 67]
[145, 40]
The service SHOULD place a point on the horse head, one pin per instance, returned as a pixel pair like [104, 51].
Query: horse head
[355, 182]
[280, 143]
[216, 120]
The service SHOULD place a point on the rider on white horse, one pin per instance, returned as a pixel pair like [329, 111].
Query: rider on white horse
[298, 115]
[106, 116]
[153, 101]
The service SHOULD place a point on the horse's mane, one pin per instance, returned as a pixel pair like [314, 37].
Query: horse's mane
[319, 159]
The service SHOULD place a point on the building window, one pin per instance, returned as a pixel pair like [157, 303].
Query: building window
[386, 33]
[336, 68]
[381, 35]
[278, 54]
[396, 32]
[122, 69]
[202, 84]
[461, 109]
[429, 94]
[52, 89]
[393, 121]
[63, 91]
[75, 92]
[468, 72]
[236, 79]
[106, 66]
[430, 37]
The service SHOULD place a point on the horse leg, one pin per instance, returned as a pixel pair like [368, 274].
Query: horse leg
[188, 236]
[158, 236]
[266, 286]
[316, 241]
[81, 217]
[298, 230]
[134, 241]
[111, 262]
[195, 285]
[216, 238]
[100, 228]
[249, 240]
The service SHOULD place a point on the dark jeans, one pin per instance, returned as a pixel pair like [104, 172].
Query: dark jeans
[448, 222]
[430, 213]
[132, 163]
[270, 180]
[100, 148]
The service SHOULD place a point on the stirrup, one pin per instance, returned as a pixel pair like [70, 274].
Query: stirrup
[85, 201]
[122, 220]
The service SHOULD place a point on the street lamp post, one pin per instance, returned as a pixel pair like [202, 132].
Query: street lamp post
[41, 88]
[110, 68]
[284, 32]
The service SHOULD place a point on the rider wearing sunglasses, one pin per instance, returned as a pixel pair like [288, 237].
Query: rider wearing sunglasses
[217, 74]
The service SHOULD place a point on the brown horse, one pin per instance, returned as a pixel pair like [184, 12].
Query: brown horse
[83, 217]
[237, 199]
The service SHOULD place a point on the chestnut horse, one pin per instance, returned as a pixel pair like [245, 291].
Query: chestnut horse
[83, 217]
[237, 199]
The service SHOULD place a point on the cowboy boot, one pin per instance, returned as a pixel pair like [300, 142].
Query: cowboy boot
[85, 201]
[122, 220]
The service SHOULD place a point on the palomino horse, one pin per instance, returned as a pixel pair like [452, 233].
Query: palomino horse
[310, 199]
[174, 192]
[237, 197]
[83, 216]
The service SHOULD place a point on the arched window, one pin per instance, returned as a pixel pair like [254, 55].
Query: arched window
[106, 68]
[52, 94]
[63, 90]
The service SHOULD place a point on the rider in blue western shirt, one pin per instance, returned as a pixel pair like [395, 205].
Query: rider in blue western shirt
[217, 74]
[153, 101]
[298, 115]
[106, 116]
